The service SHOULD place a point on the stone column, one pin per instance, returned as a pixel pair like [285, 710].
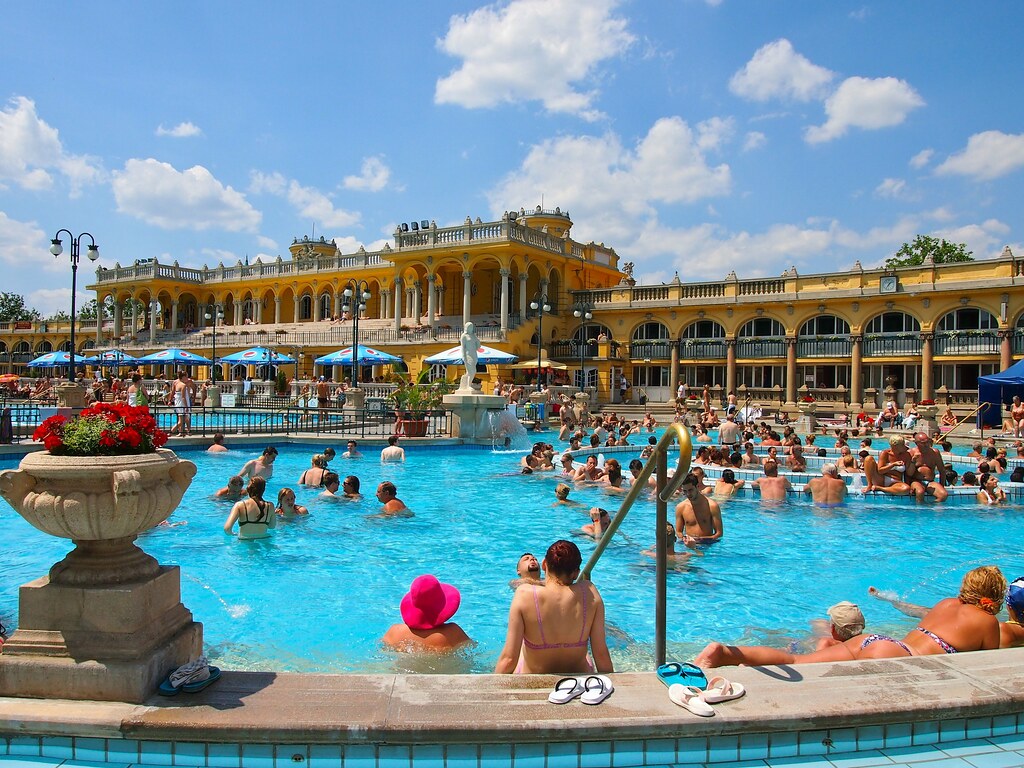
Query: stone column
[431, 301]
[856, 373]
[99, 327]
[505, 274]
[118, 319]
[673, 372]
[174, 314]
[417, 302]
[398, 304]
[154, 309]
[927, 361]
[791, 370]
[316, 307]
[730, 365]
[135, 316]
[1005, 348]
[295, 308]
[467, 296]
[385, 304]
[522, 298]
[277, 310]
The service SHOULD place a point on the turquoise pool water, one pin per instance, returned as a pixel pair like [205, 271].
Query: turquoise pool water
[319, 595]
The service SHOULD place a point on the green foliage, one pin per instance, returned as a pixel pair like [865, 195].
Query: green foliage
[282, 383]
[419, 396]
[941, 252]
[12, 308]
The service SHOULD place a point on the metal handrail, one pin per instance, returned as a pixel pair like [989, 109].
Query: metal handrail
[665, 489]
[982, 407]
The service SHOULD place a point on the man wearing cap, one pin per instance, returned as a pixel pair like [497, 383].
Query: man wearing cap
[829, 490]
[426, 610]
[847, 622]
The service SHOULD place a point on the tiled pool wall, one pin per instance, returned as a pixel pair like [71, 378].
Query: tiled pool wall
[890, 743]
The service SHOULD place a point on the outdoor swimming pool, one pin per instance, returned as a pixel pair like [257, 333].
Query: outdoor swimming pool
[319, 595]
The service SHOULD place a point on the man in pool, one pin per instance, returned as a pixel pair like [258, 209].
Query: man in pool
[589, 472]
[599, 522]
[893, 471]
[351, 451]
[829, 490]
[233, 490]
[930, 477]
[729, 432]
[263, 466]
[392, 452]
[771, 486]
[387, 495]
[698, 518]
[527, 570]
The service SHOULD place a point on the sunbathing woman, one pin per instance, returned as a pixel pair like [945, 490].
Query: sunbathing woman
[549, 627]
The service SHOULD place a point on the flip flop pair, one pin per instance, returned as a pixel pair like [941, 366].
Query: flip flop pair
[699, 702]
[591, 690]
[674, 673]
[167, 689]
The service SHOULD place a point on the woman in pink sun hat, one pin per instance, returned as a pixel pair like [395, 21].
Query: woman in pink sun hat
[426, 610]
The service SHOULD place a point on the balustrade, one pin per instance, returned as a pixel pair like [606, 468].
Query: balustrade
[763, 347]
[702, 349]
[885, 344]
[830, 347]
[967, 342]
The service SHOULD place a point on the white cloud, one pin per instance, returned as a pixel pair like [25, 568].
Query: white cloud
[777, 71]
[866, 103]
[987, 156]
[270, 183]
[24, 244]
[308, 202]
[159, 194]
[30, 150]
[985, 240]
[268, 243]
[531, 50]
[50, 301]
[922, 158]
[895, 189]
[373, 176]
[754, 140]
[180, 131]
[713, 133]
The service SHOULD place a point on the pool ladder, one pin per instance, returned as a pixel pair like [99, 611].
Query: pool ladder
[657, 464]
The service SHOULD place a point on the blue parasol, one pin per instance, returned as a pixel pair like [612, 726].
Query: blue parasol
[367, 356]
[257, 356]
[484, 356]
[112, 358]
[54, 360]
[174, 355]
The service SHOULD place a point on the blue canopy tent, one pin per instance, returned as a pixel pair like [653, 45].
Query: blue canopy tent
[997, 389]
[484, 356]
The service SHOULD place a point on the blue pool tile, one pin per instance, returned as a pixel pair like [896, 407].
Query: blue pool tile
[289, 755]
[563, 754]
[397, 757]
[741, 764]
[122, 750]
[754, 746]
[870, 737]
[595, 754]
[26, 761]
[258, 755]
[356, 756]
[23, 745]
[952, 730]
[979, 727]
[813, 742]
[692, 750]
[91, 750]
[156, 753]
[800, 761]
[1011, 742]
[995, 760]
[863, 759]
[926, 733]
[659, 751]
[224, 755]
[911, 755]
[783, 745]
[426, 756]
[626, 754]
[723, 749]
[491, 756]
[899, 735]
[459, 756]
[528, 756]
[56, 746]
[968, 747]
[1004, 725]
[944, 762]
[189, 753]
[327, 755]
[842, 740]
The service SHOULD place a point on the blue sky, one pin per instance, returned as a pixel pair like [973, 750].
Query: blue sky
[694, 135]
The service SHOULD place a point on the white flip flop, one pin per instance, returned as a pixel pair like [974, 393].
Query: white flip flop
[566, 689]
[689, 698]
[719, 689]
[597, 688]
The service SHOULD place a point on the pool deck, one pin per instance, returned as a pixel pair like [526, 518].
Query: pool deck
[271, 708]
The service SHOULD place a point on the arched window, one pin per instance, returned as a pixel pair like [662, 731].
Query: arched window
[968, 319]
[325, 306]
[759, 327]
[43, 347]
[761, 337]
[825, 325]
[306, 307]
[892, 333]
[893, 322]
[23, 348]
[968, 330]
[650, 332]
[704, 329]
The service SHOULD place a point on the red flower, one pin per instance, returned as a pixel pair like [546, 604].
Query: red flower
[131, 437]
[51, 442]
[107, 439]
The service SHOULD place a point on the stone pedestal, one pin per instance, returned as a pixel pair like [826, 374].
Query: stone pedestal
[807, 421]
[355, 399]
[70, 396]
[477, 418]
[212, 397]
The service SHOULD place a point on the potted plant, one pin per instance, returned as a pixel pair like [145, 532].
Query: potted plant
[103, 479]
[414, 402]
[807, 404]
[281, 384]
[927, 409]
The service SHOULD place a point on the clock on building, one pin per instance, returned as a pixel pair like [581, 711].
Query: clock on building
[887, 284]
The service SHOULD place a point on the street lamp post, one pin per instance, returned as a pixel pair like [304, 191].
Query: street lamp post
[216, 314]
[356, 294]
[584, 313]
[94, 253]
[540, 305]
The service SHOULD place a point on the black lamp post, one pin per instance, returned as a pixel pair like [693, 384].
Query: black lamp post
[94, 253]
[540, 305]
[215, 313]
[584, 313]
[360, 290]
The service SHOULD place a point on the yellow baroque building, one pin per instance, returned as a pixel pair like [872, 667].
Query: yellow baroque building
[847, 338]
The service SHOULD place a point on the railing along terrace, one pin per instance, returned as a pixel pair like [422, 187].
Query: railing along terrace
[883, 344]
[571, 350]
[24, 418]
[702, 349]
[1017, 342]
[966, 342]
[824, 347]
[760, 287]
[761, 347]
[651, 350]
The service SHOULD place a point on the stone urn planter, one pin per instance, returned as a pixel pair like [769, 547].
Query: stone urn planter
[807, 408]
[102, 503]
[929, 412]
[107, 623]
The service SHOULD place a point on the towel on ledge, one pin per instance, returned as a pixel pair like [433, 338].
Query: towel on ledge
[193, 672]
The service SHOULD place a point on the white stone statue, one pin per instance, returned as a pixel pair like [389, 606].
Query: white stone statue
[470, 344]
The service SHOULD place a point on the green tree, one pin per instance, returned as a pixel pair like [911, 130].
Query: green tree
[941, 252]
[12, 308]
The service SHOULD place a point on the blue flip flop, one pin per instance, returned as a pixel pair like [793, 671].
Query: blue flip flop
[166, 689]
[685, 674]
